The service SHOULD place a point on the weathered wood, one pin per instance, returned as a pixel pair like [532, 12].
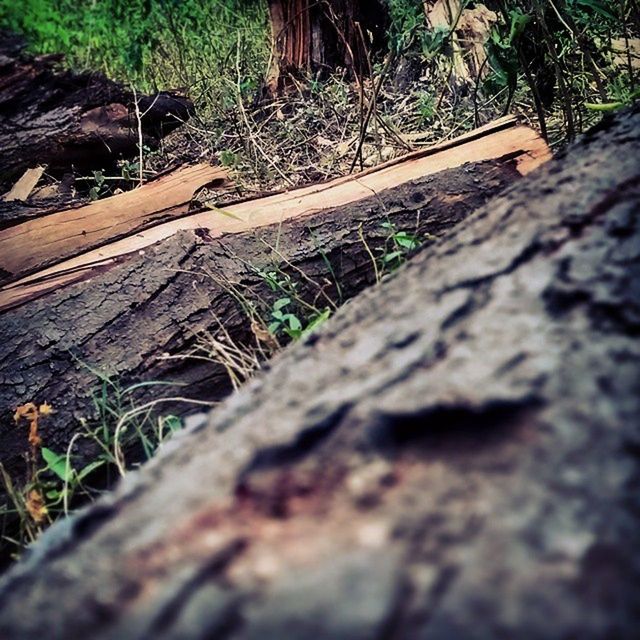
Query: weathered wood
[317, 37]
[453, 456]
[60, 118]
[25, 185]
[500, 139]
[63, 234]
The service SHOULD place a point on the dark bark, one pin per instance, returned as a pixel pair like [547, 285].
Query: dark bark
[455, 455]
[122, 322]
[61, 118]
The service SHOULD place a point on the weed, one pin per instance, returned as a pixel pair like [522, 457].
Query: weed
[426, 107]
[291, 314]
[152, 43]
[397, 246]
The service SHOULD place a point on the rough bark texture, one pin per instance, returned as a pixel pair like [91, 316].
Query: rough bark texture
[59, 118]
[122, 322]
[454, 455]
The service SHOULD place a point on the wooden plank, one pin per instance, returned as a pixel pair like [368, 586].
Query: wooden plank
[64, 234]
[501, 138]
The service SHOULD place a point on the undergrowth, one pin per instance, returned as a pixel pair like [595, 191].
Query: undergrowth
[558, 64]
[121, 434]
[152, 44]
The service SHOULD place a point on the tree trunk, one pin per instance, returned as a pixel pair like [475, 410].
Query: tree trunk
[312, 37]
[454, 455]
[140, 313]
[60, 118]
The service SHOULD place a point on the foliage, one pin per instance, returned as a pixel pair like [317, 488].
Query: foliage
[561, 51]
[154, 44]
[290, 314]
[397, 246]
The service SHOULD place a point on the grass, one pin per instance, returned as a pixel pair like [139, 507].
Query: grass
[152, 44]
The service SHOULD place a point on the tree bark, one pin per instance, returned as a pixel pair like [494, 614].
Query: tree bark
[318, 37]
[455, 454]
[61, 118]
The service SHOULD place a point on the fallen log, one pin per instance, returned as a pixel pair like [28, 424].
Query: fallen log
[143, 316]
[22, 248]
[61, 118]
[454, 455]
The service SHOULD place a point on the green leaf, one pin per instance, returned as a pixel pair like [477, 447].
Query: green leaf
[405, 240]
[293, 322]
[173, 423]
[316, 322]
[57, 464]
[85, 471]
[519, 21]
[598, 7]
[273, 327]
[390, 257]
[282, 302]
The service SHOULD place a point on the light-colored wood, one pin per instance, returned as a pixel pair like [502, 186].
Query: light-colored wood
[64, 234]
[502, 138]
[22, 189]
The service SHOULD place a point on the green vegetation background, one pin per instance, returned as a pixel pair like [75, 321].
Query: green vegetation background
[153, 44]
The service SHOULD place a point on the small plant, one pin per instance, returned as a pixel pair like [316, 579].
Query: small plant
[229, 159]
[284, 321]
[398, 244]
[290, 314]
[27, 504]
[95, 190]
[426, 108]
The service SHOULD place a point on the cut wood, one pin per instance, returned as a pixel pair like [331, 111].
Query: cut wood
[454, 455]
[25, 247]
[22, 189]
[63, 234]
[60, 118]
